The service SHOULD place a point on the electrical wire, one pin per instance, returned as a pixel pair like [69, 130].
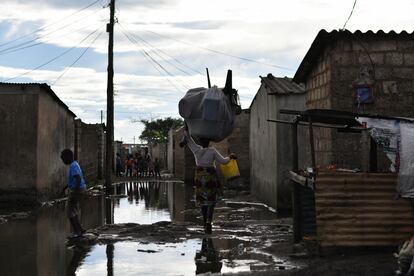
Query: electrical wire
[155, 49]
[153, 61]
[51, 24]
[53, 59]
[156, 62]
[26, 45]
[220, 52]
[349, 17]
[76, 60]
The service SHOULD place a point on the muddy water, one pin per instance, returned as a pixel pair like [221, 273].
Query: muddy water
[36, 246]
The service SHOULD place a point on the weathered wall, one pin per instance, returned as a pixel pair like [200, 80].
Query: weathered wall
[390, 63]
[284, 146]
[56, 132]
[318, 87]
[160, 151]
[238, 143]
[262, 144]
[170, 151]
[88, 146]
[184, 164]
[18, 141]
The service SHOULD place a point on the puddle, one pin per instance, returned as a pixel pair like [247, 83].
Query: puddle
[191, 257]
[36, 245]
[141, 202]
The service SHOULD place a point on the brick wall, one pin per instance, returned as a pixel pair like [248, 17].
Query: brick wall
[318, 95]
[389, 62]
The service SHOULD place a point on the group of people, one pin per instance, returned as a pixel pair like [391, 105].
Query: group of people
[137, 166]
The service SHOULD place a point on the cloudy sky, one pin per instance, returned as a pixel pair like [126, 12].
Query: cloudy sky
[162, 47]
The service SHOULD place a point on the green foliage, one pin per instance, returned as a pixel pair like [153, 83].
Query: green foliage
[157, 131]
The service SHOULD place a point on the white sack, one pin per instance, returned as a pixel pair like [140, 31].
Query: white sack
[208, 113]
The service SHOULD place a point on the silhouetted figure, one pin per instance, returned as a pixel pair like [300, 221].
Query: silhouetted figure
[157, 168]
[77, 187]
[207, 259]
[119, 170]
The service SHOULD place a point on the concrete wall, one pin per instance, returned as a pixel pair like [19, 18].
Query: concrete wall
[184, 164]
[263, 154]
[88, 146]
[160, 151]
[284, 146]
[18, 141]
[330, 86]
[238, 143]
[56, 132]
[35, 129]
[170, 151]
[271, 147]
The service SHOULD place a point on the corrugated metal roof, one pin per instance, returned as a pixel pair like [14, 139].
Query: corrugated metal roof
[325, 38]
[359, 209]
[282, 85]
[46, 88]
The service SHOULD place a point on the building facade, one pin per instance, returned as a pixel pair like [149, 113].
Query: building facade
[358, 72]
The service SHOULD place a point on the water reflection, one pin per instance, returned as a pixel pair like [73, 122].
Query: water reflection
[141, 202]
[37, 246]
[208, 259]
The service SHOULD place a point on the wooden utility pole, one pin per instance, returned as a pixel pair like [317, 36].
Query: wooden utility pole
[110, 101]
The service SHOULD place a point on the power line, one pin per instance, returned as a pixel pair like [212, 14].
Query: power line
[51, 24]
[26, 45]
[76, 60]
[153, 61]
[53, 59]
[349, 17]
[160, 65]
[155, 49]
[220, 52]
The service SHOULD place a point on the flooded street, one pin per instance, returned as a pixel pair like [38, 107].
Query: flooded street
[153, 228]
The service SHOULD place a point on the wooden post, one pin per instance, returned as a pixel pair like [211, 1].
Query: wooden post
[296, 212]
[110, 102]
[312, 143]
[208, 79]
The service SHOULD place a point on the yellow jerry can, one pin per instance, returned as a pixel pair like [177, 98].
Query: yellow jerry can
[230, 170]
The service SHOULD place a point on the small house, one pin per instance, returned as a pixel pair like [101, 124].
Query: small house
[270, 146]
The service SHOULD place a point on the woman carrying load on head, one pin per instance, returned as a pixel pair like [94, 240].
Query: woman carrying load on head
[207, 184]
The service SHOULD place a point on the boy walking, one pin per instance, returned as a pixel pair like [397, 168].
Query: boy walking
[77, 187]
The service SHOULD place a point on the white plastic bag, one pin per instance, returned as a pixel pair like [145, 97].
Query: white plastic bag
[208, 113]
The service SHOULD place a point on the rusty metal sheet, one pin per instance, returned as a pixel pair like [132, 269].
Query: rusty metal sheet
[360, 209]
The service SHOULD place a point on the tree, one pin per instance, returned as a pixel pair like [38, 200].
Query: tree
[156, 132]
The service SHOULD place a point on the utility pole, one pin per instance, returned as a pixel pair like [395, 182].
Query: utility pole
[110, 101]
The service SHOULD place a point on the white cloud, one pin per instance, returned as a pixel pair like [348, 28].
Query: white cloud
[274, 32]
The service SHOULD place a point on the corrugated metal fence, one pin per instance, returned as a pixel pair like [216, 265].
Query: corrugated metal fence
[359, 209]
